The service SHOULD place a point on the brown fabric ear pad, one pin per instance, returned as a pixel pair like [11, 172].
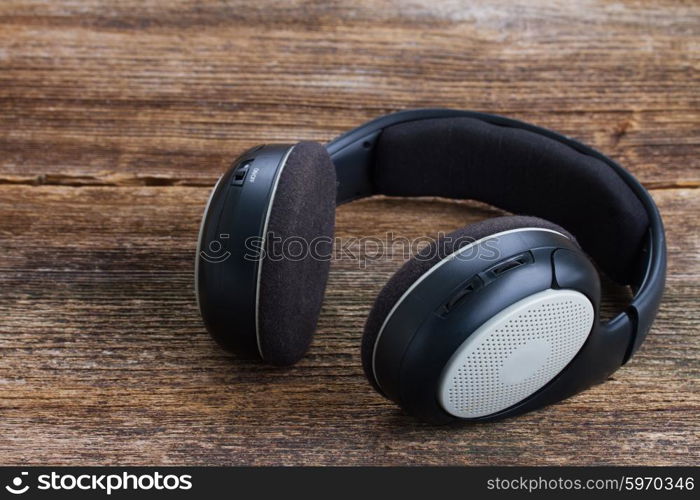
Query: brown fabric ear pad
[298, 249]
[431, 255]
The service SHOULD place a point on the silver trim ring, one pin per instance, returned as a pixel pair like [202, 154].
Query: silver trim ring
[278, 174]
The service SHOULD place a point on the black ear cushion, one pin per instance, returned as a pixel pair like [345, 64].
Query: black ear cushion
[431, 255]
[298, 248]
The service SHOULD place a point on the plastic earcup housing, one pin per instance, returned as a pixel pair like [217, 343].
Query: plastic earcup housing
[452, 299]
[264, 251]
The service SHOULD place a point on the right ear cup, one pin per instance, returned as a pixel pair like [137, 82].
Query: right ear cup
[298, 248]
[428, 257]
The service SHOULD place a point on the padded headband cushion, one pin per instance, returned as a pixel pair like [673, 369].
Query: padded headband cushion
[302, 219]
[520, 171]
[432, 254]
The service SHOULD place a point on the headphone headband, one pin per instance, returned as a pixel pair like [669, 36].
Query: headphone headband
[621, 227]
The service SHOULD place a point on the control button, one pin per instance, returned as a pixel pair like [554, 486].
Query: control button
[239, 174]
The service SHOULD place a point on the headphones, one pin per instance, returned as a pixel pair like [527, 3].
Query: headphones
[490, 321]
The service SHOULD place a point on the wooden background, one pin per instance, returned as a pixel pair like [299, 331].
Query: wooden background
[117, 117]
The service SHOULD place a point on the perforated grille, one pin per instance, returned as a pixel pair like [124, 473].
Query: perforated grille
[515, 353]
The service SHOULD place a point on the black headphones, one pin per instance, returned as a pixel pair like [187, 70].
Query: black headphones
[493, 320]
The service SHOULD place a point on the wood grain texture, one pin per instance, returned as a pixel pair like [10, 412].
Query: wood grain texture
[156, 92]
[105, 360]
[115, 120]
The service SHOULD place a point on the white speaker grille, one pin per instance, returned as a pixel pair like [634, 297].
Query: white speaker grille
[515, 353]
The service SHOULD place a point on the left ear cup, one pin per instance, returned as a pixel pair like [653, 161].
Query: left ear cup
[298, 247]
[431, 255]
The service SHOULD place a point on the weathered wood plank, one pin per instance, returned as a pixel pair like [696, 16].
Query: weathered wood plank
[134, 92]
[104, 359]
